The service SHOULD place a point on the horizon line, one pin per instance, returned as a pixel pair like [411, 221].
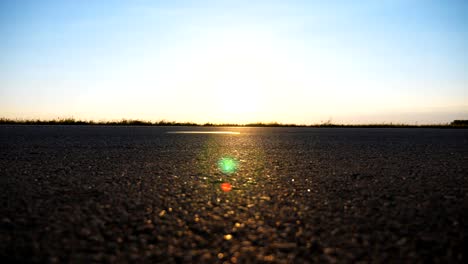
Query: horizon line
[141, 122]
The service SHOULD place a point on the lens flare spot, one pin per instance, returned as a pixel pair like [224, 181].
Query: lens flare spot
[226, 187]
[227, 165]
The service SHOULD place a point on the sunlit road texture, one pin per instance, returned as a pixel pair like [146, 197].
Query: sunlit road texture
[249, 195]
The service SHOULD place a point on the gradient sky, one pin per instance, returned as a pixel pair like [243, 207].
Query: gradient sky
[235, 61]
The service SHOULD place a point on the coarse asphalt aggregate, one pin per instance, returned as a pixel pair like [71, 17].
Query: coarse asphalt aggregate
[85, 194]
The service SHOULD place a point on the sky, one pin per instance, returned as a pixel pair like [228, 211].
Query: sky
[242, 61]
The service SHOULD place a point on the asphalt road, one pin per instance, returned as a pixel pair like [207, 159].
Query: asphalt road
[132, 194]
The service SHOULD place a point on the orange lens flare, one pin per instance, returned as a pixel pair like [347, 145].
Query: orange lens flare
[226, 187]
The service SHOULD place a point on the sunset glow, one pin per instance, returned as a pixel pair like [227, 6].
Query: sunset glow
[299, 62]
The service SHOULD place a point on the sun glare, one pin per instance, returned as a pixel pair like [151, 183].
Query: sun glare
[239, 66]
[239, 98]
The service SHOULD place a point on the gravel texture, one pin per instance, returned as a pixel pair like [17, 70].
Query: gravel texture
[131, 194]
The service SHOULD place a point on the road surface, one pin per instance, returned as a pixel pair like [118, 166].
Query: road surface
[280, 195]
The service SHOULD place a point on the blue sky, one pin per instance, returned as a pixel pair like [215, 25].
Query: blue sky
[235, 61]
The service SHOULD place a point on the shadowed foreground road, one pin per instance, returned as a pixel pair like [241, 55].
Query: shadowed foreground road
[131, 194]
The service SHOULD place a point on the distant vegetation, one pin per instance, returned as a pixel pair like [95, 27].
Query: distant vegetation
[136, 122]
[72, 121]
[459, 123]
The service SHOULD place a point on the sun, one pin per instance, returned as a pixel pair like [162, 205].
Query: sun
[239, 100]
[231, 72]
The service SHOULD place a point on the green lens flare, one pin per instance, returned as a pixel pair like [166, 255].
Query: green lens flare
[227, 165]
